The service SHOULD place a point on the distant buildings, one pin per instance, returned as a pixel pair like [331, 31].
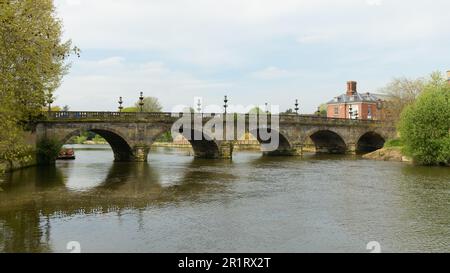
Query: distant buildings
[355, 105]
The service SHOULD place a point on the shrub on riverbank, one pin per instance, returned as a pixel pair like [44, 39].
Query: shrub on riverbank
[425, 125]
[397, 143]
[47, 150]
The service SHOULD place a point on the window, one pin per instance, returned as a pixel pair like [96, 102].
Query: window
[369, 112]
[336, 110]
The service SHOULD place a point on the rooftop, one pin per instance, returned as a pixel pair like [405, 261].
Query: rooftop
[353, 96]
[358, 97]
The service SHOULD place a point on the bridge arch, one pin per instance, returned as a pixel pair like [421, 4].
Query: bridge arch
[122, 150]
[272, 148]
[327, 141]
[201, 143]
[369, 142]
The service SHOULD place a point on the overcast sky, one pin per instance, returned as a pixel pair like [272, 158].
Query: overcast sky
[254, 51]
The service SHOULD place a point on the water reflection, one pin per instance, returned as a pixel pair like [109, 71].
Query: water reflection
[32, 180]
[252, 203]
[22, 230]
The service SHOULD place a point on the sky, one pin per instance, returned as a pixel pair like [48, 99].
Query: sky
[254, 51]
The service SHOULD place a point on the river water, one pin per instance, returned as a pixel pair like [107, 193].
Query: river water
[176, 203]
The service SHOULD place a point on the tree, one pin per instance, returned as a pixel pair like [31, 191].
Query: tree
[323, 110]
[32, 64]
[12, 147]
[55, 108]
[151, 104]
[256, 110]
[425, 124]
[165, 137]
[130, 110]
[400, 93]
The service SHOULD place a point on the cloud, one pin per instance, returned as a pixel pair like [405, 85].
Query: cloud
[101, 82]
[273, 73]
[220, 33]
[180, 48]
[374, 2]
[313, 38]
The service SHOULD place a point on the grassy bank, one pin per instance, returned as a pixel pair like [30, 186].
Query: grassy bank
[393, 150]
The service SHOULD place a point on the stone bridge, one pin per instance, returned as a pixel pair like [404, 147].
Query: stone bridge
[132, 134]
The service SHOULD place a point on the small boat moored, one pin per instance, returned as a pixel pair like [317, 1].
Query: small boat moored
[66, 154]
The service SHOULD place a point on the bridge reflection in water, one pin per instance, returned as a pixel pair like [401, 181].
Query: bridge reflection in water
[179, 203]
[33, 196]
[132, 134]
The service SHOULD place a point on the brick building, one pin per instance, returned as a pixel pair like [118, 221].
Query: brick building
[355, 105]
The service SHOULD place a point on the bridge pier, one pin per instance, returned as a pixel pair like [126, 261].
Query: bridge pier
[295, 150]
[140, 153]
[351, 149]
[226, 150]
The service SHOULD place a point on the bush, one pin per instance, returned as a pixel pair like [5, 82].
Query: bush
[393, 143]
[425, 125]
[47, 150]
[165, 138]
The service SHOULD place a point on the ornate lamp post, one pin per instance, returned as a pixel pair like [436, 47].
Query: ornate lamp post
[120, 104]
[356, 114]
[296, 106]
[350, 112]
[141, 102]
[225, 106]
[318, 111]
[267, 108]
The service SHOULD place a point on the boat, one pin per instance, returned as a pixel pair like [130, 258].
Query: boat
[66, 154]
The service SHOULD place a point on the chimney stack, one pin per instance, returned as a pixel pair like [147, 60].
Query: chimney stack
[351, 88]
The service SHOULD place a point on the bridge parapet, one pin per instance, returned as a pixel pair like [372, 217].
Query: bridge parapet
[171, 117]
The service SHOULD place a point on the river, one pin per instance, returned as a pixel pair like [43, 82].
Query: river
[175, 203]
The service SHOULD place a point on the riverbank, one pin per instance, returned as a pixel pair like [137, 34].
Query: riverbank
[9, 167]
[389, 154]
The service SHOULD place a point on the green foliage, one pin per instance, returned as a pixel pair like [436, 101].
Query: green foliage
[80, 139]
[425, 124]
[47, 150]
[165, 138]
[151, 105]
[322, 110]
[99, 139]
[393, 143]
[32, 63]
[130, 110]
[12, 147]
[256, 110]
[87, 136]
[53, 108]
